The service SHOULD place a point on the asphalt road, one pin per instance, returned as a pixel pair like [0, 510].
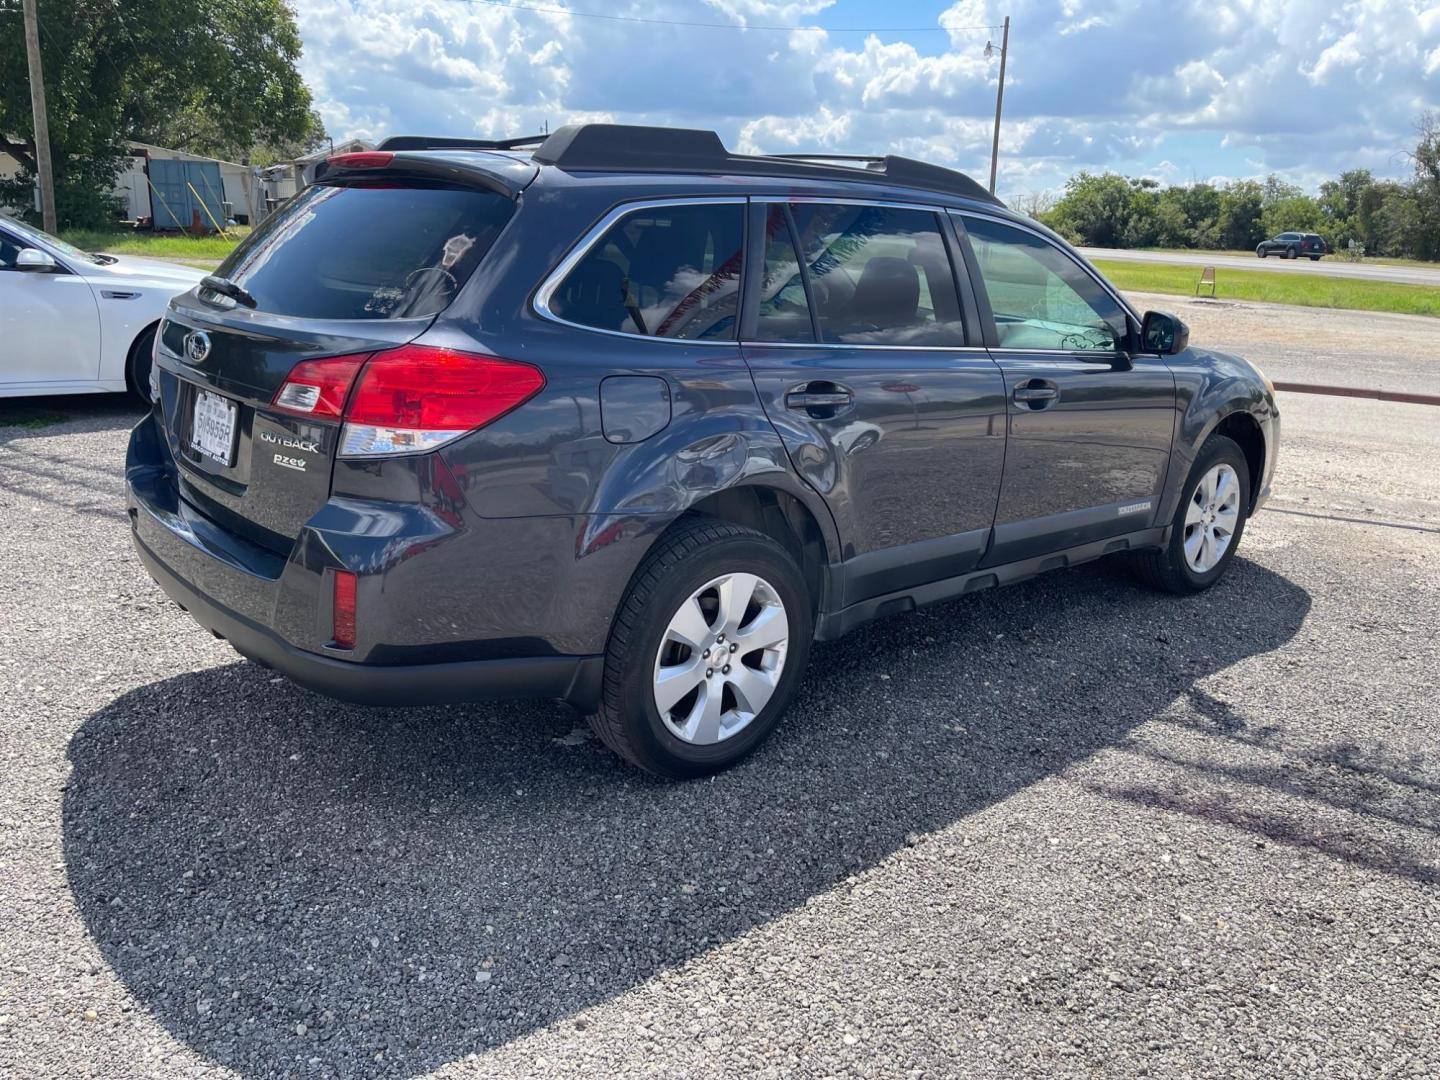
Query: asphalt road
[1071, 828]
[1330, 265]
[1362, 349]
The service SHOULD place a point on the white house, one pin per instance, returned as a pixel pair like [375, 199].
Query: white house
[232, 183]
[226, 189]
[285, 178]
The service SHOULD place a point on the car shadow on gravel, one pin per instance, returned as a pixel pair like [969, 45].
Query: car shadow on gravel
[31, 468]
[287, 883]
[79, 412]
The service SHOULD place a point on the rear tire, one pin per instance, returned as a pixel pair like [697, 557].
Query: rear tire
[704, 578]
[1192, 561]
[1314, 258]
[1291, 253]
[137, 364]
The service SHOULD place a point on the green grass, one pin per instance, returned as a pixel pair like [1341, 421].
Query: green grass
[31, 420]
[1378, 260]
[1275, 287]
[174, 246]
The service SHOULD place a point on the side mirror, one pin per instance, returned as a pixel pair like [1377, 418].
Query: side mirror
[1163, 333]
[35, 261]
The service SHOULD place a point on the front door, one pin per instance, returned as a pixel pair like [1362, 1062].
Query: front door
[855, 332]
[1090, 423]
[49, 326]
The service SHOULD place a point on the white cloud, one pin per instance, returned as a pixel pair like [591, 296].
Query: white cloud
[1189, 88]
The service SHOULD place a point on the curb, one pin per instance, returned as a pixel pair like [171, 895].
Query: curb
[1357, 392]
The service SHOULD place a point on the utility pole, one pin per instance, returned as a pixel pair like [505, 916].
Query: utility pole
[999, 99]
[42, 125]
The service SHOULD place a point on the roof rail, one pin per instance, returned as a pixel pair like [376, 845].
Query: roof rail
[441, 142]
[827, 157]
[634, 148]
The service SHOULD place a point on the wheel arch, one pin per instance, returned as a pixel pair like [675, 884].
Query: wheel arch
[132, 351]
[1242, 427]
[780, 515]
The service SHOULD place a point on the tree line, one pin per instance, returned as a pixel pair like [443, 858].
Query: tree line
[210, 77]
[1389, 217]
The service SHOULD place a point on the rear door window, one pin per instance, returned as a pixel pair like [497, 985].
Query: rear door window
[783, 311]
[669, 271]
[368, 251]
[876, 275]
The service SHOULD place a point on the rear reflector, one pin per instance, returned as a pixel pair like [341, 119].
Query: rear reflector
[343, 618]
[318, 388]
[417, 397]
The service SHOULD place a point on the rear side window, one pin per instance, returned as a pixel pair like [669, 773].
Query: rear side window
[875, 275]
[670, 271]
[376, 251]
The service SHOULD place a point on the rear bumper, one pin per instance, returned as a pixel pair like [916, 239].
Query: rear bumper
[431, 633]
[575, 679]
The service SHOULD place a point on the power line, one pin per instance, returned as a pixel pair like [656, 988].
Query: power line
[514, 6]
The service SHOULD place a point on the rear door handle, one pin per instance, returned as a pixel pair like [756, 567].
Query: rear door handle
[818, 399]
[1033, 392]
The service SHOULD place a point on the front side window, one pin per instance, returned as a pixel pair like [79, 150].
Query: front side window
[877, 275]
[10, 249]
[669, 271]
[1040, 298]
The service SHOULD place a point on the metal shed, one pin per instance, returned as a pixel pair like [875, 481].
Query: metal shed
[217, 182]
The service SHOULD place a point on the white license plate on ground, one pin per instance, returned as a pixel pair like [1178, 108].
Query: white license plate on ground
[213, 430]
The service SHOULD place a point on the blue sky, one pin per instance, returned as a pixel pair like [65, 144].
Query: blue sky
[1182, 91]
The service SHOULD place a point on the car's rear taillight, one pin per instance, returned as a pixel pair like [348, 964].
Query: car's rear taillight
[319, 388]
[407, 400]
[418, 397]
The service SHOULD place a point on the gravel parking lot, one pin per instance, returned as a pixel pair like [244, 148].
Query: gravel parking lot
[1068, 828]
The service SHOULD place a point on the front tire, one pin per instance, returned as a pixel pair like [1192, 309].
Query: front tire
[1207, 525]
[1260, 253]
[137, 364]
[707, 650]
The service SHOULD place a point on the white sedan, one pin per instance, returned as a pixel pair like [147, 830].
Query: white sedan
[76, 323]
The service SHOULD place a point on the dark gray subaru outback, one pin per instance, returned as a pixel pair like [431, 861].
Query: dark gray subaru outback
[618, 417]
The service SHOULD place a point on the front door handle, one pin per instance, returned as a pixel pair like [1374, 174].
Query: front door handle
[1037, 393]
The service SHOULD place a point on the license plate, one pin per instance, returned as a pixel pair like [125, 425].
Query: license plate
[213, 431]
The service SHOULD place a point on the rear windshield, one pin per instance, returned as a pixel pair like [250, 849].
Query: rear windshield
[371, 251]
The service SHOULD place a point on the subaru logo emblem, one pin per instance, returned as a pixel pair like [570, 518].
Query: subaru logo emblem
[197, 346]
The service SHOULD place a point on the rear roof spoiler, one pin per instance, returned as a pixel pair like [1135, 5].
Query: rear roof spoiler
[506, 176]
[443, 142]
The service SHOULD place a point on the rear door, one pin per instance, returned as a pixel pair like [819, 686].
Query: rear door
[857, 337]
[1090, 423]
[340, 271]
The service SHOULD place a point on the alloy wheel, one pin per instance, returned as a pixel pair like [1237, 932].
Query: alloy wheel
[720, 659]
[1211, 518]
